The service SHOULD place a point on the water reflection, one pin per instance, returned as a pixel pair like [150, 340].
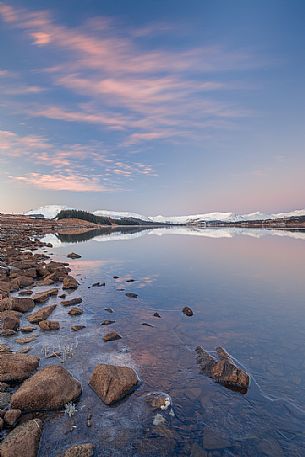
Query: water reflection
[246, 288]
[127, 233]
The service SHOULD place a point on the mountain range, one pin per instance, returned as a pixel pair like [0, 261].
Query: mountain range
[51, 211]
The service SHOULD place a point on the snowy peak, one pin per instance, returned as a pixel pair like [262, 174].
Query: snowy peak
[121, 215]
[49, 211]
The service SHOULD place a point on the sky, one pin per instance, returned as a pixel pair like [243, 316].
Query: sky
[159, 107]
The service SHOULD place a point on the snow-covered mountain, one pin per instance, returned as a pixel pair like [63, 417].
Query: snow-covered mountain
[51, 211]
[121, 215]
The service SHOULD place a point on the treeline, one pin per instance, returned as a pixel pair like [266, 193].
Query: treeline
[84, 215]
[101, 220]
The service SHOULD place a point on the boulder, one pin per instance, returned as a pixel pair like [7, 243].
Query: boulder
[17, 367]
[48, 389]
[5, 303]
[42, 297]
[23, 440]
[9, 320]
[49, 325]
[80, 450]
[107, 322]
[70, 283]
[24, 281]
[111, 336]
[111, 383]
[41, 315]
[223, 370]
[22, 304]
[11, 416]
[73, 301]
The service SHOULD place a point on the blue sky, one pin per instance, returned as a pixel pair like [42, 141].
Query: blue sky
[165, 106]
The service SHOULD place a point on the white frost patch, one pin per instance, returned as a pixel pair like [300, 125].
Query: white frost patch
[158, 420]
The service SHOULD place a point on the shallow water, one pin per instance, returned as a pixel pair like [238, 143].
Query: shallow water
[246, 288]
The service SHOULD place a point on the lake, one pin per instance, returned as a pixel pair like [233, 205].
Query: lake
[247, 291]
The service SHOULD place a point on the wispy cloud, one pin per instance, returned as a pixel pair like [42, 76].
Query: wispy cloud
[72, 183]
[74, 167]
[145, 91]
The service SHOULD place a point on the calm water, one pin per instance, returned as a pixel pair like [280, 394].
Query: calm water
[247, 291]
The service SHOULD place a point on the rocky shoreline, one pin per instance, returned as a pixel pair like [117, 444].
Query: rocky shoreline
[28, 392]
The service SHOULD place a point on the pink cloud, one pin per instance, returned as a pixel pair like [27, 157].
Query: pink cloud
[72, 183]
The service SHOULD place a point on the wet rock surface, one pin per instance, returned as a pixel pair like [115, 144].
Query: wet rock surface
[187, 311]
[49, 325]
[70, 283]
[42, 297]
[73, 301]
[73, 255]
[112, 383]
[51, 388]
[224, 370]
[41, 315]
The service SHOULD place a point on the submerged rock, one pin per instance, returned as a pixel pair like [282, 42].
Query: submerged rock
[17, 367]
[224, 370]
[111, 336]
[158, 400]
[109, 310]
[48, 389]
[76, 328]
[23, 440]
[157, 315]
[111, 383]
[131, 295]
[41, 315]
[99, 284]
[80, 450]
[107, 322]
